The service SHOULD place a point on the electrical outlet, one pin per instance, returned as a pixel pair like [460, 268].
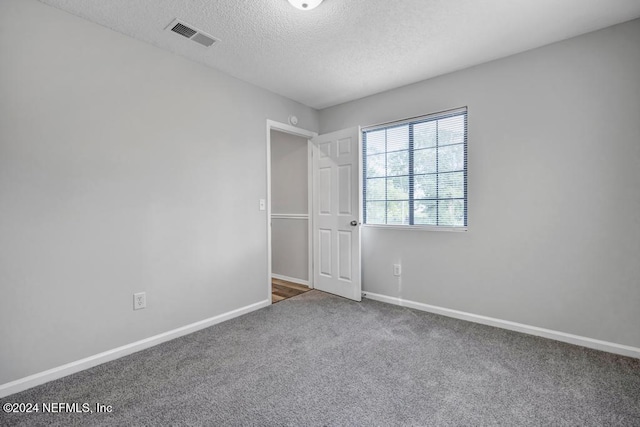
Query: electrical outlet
[139, 300]
[397, 270]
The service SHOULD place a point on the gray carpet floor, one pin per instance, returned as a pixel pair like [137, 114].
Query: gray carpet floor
[320, 360]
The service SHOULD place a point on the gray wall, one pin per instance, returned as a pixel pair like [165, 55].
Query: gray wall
[123, 168]
[290, 248]
[554, 205]
[289, 195]
[289, 176]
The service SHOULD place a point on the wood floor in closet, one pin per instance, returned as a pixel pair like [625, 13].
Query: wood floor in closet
[281, 290]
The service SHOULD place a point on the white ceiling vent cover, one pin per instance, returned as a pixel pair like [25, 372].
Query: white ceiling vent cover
[192, 33]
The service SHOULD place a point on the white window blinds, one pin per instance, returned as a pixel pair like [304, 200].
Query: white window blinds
[415, 171]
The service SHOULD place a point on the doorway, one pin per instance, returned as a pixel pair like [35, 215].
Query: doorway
[289, 208]
[332, 214]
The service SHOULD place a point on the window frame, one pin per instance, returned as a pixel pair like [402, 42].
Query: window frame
[461, 111]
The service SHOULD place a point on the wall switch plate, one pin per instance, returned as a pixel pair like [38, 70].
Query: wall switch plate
[139, 300]
[263, 204]
[397, 270]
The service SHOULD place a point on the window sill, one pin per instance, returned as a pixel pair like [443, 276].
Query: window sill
[415, 227]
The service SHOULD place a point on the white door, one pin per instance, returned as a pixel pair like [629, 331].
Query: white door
[336, 213]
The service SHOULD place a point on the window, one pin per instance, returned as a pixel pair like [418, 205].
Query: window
[415, 171]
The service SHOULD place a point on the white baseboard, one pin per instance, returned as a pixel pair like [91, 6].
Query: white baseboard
[610, 347]
[91, 361]
[290, 279]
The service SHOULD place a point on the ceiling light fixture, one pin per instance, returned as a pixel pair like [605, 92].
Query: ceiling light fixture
[305, 4]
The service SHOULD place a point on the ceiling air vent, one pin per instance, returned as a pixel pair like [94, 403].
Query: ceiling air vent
[191, 33]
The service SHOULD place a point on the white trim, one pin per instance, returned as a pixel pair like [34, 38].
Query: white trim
[415, 227]
[283, 127]
[116, 353]
[360, 192]
[310, 196]
[291, 279]
[610, 347]
[290, 216]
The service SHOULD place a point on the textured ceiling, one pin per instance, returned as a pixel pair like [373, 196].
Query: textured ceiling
[348, 49]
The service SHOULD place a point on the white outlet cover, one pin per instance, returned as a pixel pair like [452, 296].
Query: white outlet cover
[139, 300]
[397, 270]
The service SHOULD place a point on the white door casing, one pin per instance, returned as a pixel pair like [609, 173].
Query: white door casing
[336, 213]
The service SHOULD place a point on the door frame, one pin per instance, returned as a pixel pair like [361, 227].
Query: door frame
[307, 134]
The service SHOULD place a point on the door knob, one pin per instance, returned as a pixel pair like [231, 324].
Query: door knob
[354, 223]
